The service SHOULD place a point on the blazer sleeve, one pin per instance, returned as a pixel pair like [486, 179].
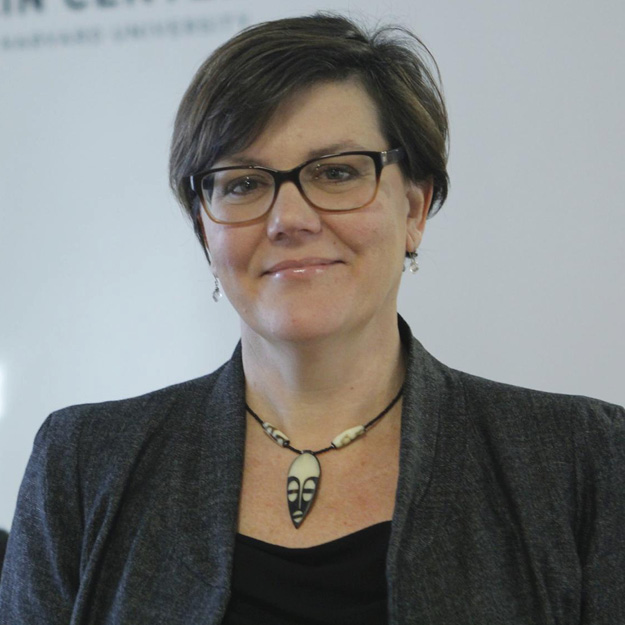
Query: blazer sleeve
[41, 574]
[602, 536]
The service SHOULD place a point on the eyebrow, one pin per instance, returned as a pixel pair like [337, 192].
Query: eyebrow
[332, 148]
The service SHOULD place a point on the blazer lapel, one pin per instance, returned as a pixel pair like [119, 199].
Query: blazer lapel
[432, 452]
[201, 567]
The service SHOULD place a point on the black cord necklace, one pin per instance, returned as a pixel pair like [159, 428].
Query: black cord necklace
[305, 471]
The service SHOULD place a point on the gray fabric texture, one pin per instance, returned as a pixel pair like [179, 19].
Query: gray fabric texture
[510, 507]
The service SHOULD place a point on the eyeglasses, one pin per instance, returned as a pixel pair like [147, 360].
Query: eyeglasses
[334, 183]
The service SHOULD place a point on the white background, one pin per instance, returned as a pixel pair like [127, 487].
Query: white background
[105, 293]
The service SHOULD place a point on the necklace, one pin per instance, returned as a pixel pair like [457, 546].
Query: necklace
[304, 473]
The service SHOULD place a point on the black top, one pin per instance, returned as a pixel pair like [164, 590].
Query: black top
[337, 583]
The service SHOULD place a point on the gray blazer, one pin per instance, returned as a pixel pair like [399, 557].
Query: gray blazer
[510, 507]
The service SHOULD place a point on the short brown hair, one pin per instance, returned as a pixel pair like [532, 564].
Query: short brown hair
[238, 88]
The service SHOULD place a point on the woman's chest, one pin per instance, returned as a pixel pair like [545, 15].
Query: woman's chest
[355, 489]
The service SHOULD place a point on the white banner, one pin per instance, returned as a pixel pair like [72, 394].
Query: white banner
[104, 290]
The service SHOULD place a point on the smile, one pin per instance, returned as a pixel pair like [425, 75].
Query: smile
[301, 268]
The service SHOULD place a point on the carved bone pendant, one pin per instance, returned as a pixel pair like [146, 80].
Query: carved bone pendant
[301, 486]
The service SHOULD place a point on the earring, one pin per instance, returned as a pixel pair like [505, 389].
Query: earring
[217, 292]
[414, 265]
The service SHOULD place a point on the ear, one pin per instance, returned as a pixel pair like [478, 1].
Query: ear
[419, 196]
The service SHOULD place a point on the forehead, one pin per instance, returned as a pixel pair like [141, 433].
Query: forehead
[322, 119]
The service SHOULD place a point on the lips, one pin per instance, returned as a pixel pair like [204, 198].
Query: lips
[301, 264]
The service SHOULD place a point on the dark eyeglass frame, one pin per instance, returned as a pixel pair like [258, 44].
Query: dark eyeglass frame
[380, 159]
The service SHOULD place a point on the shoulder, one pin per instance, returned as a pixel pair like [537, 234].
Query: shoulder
[520, 428]
[115, 438]
[508, 420]
[545, 438]
[488, 401]
[132, 416]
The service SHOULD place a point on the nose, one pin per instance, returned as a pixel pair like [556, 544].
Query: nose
[291, 215]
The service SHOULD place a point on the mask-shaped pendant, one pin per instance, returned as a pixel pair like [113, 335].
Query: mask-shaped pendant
[301, 486]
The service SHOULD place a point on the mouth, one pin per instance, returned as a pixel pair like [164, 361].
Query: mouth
[301, 266]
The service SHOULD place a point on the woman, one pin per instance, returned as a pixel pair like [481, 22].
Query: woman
[309, 155]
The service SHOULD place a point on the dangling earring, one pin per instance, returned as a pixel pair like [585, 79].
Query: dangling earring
[414, 265]
[217, 292]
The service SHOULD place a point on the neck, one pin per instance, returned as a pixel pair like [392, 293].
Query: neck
[316, 389]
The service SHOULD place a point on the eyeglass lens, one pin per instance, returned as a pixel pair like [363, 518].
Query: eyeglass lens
[342, 182]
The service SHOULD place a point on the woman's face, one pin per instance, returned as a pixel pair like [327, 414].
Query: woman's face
[300, 274]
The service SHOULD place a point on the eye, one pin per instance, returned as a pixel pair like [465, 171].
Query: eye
[244, 185]
[308, 490]
[292, 490]
[240, 185]
[335, 172]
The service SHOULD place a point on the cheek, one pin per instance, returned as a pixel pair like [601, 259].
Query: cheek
[381, 235]
[222, 254]
[229, 247]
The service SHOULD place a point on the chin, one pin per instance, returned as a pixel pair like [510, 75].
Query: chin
[299, 326]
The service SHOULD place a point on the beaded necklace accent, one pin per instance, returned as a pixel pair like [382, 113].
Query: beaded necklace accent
[305, 471]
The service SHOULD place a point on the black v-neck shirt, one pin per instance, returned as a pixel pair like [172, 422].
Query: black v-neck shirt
[342, 582]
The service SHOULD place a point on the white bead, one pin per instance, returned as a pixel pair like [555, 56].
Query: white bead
[345, 438]
[279, 437]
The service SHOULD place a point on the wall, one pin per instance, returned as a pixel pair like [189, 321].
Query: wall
[105, 293]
